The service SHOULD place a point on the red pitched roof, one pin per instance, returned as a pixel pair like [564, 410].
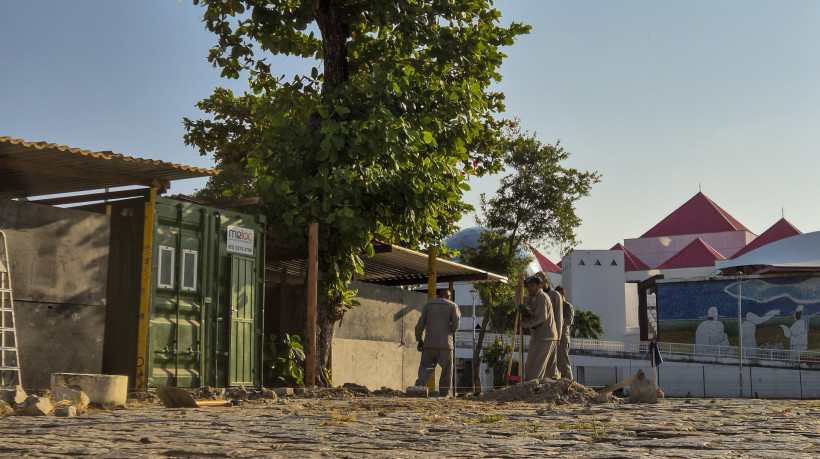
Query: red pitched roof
[698, 215]
[780, 230]
[631, 261]
[696, 254]
[546, 265]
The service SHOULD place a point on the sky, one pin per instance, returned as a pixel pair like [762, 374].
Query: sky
[662, 98]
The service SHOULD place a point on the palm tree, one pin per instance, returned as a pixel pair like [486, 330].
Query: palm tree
[586, 324]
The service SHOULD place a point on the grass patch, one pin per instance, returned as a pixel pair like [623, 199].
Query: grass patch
[491, 418]
[337, 417]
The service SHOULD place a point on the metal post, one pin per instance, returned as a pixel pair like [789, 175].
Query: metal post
[739, 335]
[473, 293]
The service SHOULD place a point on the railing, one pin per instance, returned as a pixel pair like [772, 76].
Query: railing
[641, 348]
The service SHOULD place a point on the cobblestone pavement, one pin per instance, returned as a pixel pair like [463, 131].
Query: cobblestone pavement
[405, 428]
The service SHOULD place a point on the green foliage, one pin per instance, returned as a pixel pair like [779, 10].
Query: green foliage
[496, 356]
[379, 140]
[285, 360]
[492, 253]
[496, 353]
[536, 200]
[586, 324]
[232, 182]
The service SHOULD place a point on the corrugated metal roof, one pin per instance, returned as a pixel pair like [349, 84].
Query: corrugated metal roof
[41, 168]
[394, 265]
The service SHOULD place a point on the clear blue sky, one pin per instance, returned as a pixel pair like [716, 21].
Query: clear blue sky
[660, 97]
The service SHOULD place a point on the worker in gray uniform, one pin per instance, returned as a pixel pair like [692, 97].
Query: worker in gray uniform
[564, 367]
[557, 302]
[434, 334]
[537, 316]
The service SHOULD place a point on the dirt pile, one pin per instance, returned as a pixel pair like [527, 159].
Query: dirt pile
[559, 392]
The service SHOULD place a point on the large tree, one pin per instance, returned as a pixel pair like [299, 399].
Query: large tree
[377, 140]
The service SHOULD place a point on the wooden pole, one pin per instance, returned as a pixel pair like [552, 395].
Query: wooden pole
[312, 295]
[519, 298]
[141, 374]
[431, 295]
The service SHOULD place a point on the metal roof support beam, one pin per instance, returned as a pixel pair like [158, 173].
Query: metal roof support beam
[107, 196]
[62, 171]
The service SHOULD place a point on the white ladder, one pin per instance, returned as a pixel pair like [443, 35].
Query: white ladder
[9, 360]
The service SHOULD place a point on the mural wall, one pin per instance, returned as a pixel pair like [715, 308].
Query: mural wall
[778, 313]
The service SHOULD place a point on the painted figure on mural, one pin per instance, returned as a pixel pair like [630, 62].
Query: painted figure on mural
[710, 333]
[798, 333]
[749, 329]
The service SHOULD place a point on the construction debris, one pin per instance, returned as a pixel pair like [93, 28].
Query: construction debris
[557, 391]
[34, 405]
[417, 391]
[77, 397]
[13, 395]
[65, 411]
[643, 390]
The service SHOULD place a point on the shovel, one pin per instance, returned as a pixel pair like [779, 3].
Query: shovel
[175, 397]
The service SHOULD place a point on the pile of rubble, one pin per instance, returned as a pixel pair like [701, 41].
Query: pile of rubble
[556, 391]
[62, 401]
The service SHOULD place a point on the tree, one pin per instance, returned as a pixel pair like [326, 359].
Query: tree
[586, 324]
[377, 141]
[534, 203]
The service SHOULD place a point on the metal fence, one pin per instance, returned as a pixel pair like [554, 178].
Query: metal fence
[667, 350]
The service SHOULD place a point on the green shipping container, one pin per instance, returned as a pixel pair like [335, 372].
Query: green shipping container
[204, 321]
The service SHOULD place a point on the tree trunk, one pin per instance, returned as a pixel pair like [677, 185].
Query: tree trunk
[477, 351]
[334, 49]
[325, 327]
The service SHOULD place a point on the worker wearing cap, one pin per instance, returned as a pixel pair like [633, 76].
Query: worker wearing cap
[543, 335]
[557, 302]
[564, 367]
[439, 320]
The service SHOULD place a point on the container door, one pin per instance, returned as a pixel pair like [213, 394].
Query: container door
[242, 328]
[175, 320]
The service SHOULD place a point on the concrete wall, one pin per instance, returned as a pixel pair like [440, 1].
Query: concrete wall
[375, 345]
[595, 281]
[682, 379]
[59, 262]
[655, 250]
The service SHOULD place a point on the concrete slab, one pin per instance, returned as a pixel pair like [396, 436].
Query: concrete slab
[105, 390]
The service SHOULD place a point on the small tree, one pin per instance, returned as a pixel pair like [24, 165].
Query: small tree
[492, 254]
[586, 324]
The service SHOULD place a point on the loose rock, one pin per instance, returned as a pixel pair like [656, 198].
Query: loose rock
[35, 406]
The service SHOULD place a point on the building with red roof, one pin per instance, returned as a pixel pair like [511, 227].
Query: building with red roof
[699, 217]
[780, 230]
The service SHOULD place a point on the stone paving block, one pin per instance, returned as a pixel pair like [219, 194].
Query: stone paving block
[417, 391]
[283, 391]
[77, 397]
[66, 411]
